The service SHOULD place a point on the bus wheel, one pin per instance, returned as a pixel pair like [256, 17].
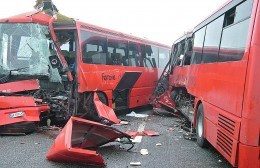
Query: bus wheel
[201, 141]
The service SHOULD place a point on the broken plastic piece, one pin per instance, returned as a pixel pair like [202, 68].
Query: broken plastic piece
[158, 144]
[78, 140]
[144, 152]
[104, 111]
[135, 163]
[133, 114]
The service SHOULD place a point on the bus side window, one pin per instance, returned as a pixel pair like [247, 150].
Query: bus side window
[155, 56]
[164, 57]
[117, 52]
[235, 33]
[188, 52]
[134, 54]
[198, 46]
[94, 48]
[149, 59]
[212, 41]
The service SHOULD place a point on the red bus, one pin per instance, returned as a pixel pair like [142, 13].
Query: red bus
[122, 69]
[214, 80]
[59, 64]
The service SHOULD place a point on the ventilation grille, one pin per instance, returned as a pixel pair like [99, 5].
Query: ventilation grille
[226, 124]
[225, 143]
[225, 132]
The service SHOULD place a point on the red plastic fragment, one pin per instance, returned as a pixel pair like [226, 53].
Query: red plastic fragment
[133, 134]
[104, 111]
[78, 140]
[150, 133]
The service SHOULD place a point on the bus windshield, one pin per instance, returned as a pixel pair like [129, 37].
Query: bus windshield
[25, 46]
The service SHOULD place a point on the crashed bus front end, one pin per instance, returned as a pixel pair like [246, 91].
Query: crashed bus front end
[32, 73]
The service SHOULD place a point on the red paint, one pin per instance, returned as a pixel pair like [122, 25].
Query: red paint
[104, 111]
[79, 138]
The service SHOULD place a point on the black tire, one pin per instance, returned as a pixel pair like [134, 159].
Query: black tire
[201, 140]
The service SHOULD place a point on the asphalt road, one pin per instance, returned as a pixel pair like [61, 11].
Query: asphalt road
[175, 151]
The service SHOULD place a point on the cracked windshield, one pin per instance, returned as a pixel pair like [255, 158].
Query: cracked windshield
[25, 49]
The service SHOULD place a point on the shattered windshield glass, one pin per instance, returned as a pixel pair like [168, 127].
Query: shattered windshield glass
[25, 47]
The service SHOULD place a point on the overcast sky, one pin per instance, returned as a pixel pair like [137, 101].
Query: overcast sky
[158, 20]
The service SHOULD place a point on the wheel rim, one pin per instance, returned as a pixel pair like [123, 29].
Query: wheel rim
[200, 126]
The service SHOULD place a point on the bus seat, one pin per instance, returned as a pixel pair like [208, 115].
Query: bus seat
[88, 56]
[132, 61]
[125, 61]
[99, 58]
[116, 58]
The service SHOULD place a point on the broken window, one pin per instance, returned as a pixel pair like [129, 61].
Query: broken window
[26, 49]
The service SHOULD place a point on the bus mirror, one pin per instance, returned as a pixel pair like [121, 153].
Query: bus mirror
[55, 62]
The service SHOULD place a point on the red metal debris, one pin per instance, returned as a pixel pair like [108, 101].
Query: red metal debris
[150, 133]
[79, 139]
[104, 111]
[164, 100]
[16, 109]
[19, 86]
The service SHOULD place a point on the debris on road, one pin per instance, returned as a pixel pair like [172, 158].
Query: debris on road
[144, 152]
[78, 140]
[150, 133]
[133, 114]
[158, 144]
[170, 129]
[135, 163]
[163, 112]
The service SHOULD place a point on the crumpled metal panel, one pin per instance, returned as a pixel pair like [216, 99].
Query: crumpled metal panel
[104, 111]
[78, 140]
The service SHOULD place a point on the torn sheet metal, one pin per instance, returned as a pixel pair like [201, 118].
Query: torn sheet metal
[164, 100]
[19, 86]
[104, 111]
[79, 139]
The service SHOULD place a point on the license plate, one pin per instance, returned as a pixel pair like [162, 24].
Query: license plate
[16, 114]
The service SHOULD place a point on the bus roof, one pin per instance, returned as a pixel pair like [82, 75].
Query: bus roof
[228, 5]
[43, 18]
[110, 32]
[29, 17]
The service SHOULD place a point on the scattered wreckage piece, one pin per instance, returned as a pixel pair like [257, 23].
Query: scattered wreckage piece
[149, 133]
[134, 114]
[78, 140]
[104, 111]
